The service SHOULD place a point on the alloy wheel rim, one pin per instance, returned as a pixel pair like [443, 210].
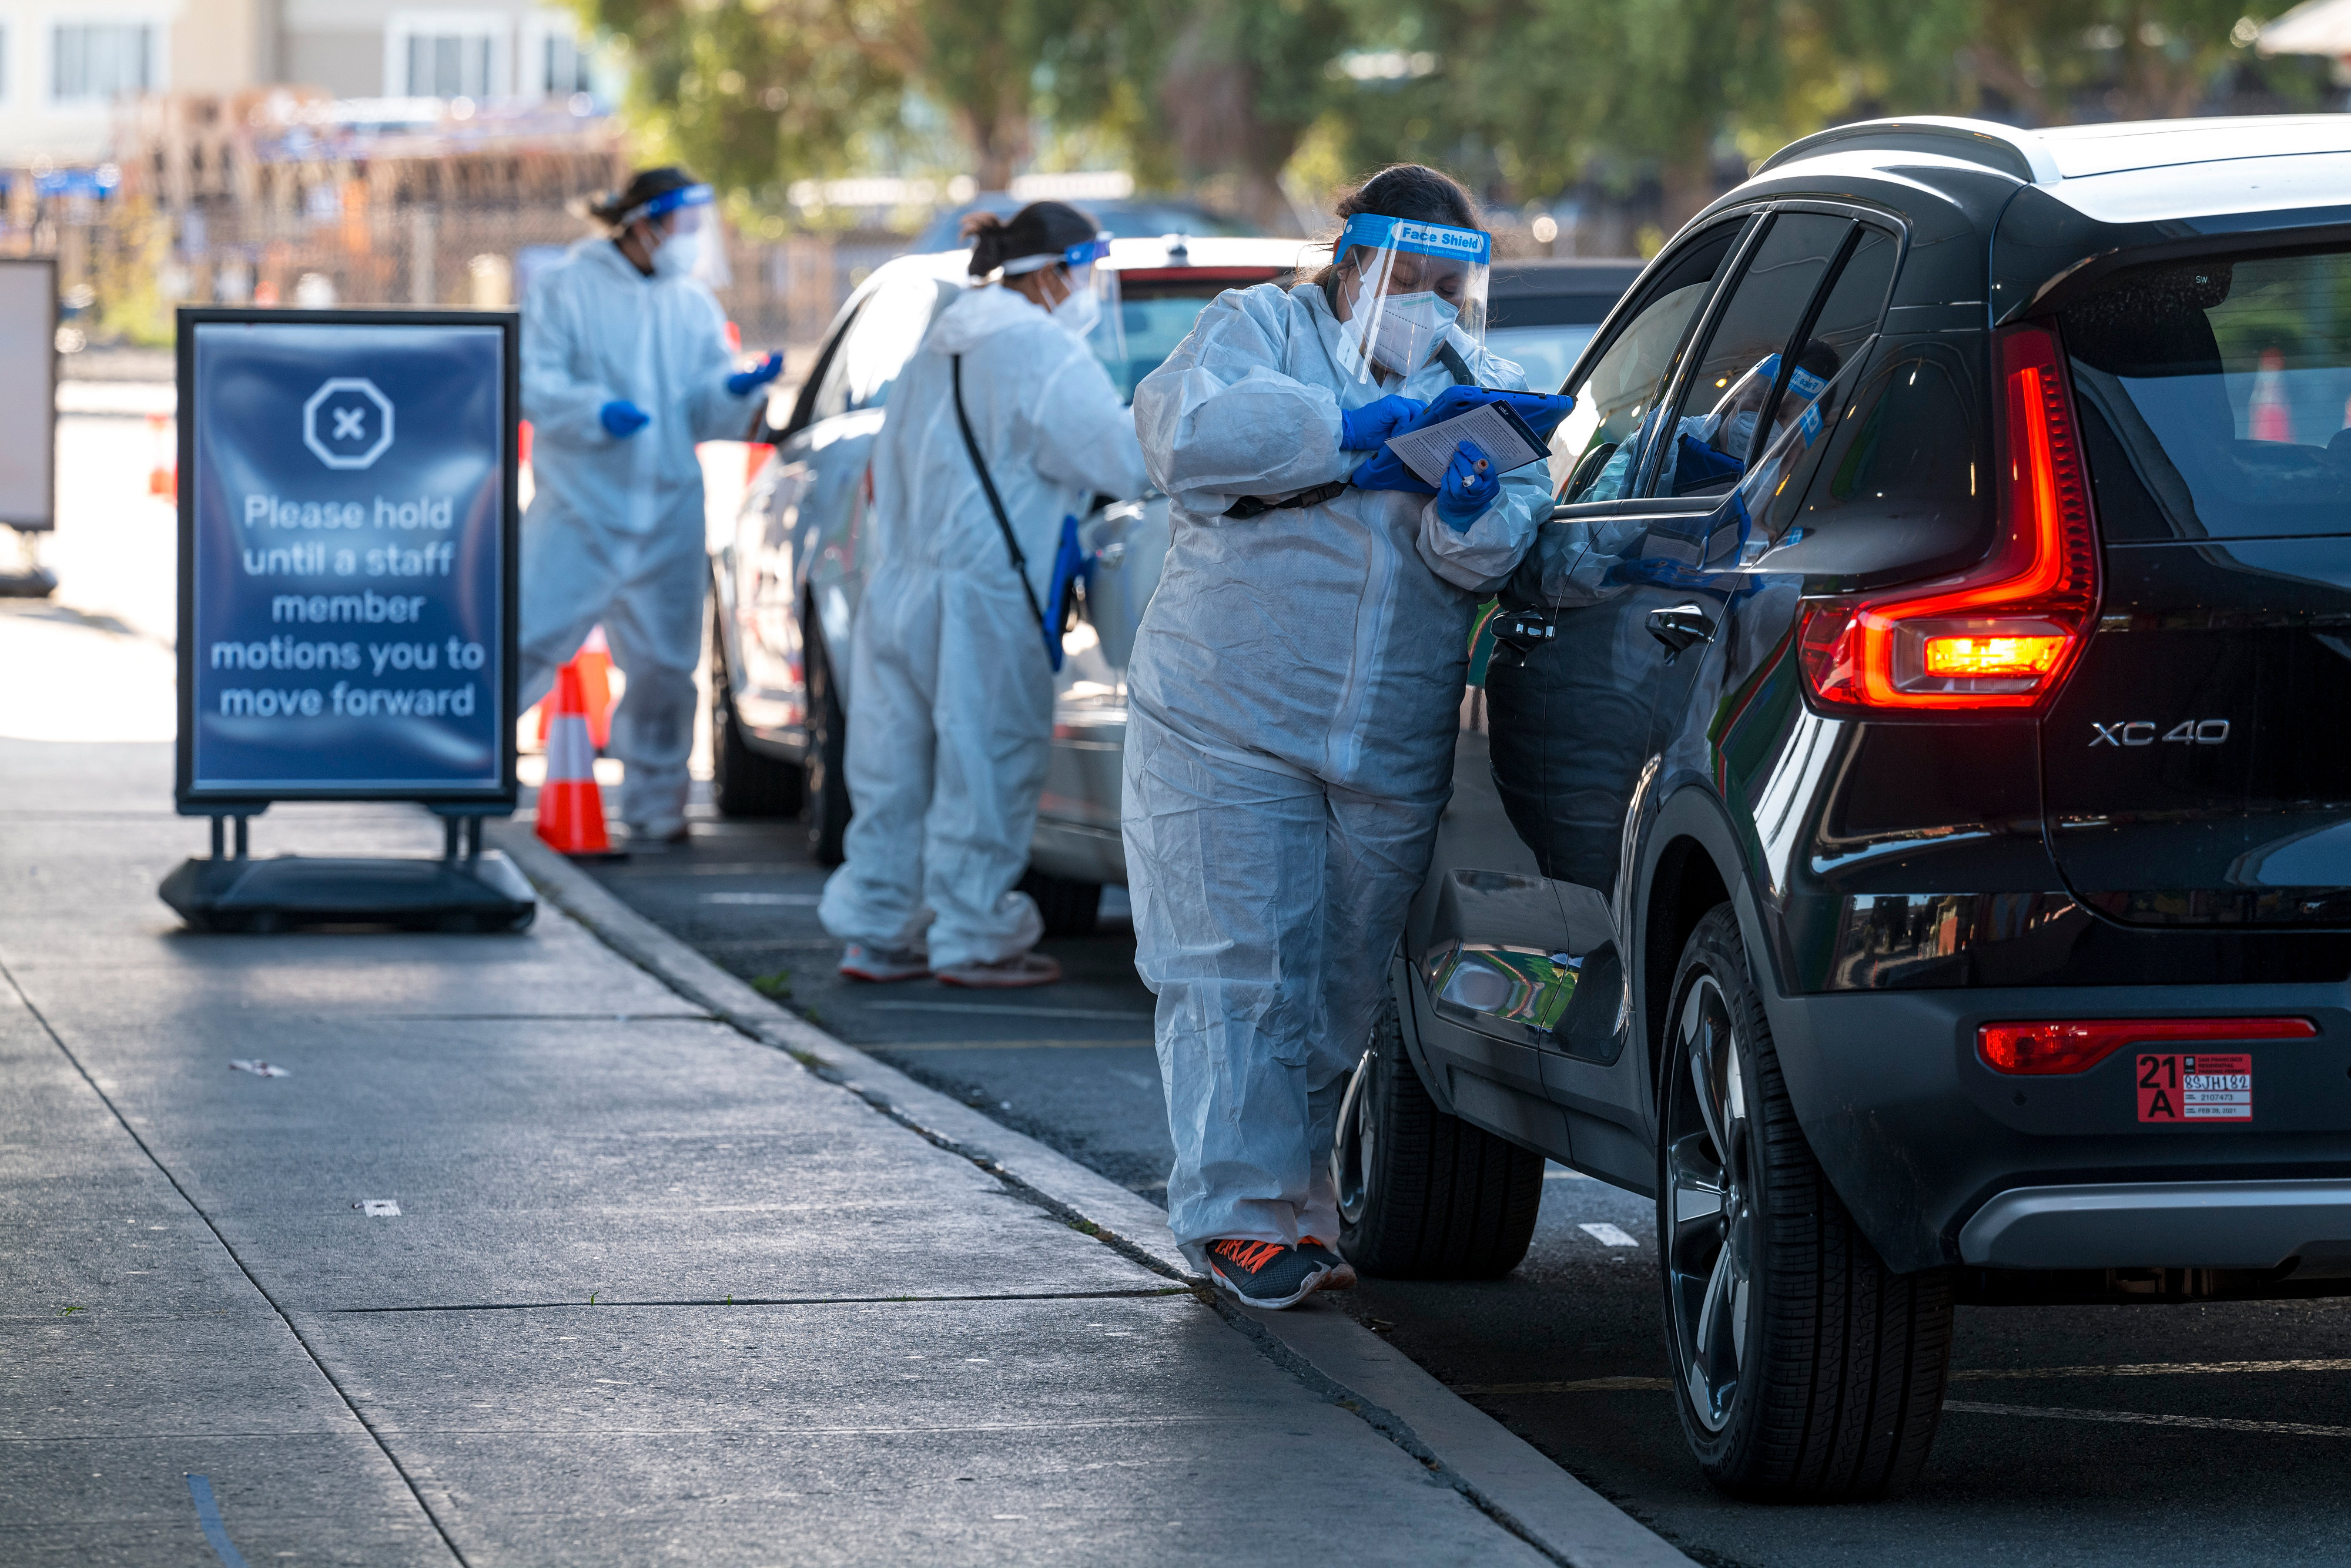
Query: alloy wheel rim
[1352, 1149]
[1711, 1224]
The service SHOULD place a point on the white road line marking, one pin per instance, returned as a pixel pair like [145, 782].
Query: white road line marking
[2147, 1369]
[2139, 1418]
[1962, 1374]
[260, 1069]
[1608, 1235]
[790, 900]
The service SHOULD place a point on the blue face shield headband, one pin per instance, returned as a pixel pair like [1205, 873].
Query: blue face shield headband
[1085, 252]
[1412, 238]
[666, 203]
[1413, 291]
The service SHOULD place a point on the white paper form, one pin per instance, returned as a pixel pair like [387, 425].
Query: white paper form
[1429, 450]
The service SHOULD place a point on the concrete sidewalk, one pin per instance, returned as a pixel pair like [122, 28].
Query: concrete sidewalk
[655, 1291]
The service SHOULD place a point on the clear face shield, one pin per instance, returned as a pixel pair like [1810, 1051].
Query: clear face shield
[1410, 292]
[675, 218]
[1088, 310]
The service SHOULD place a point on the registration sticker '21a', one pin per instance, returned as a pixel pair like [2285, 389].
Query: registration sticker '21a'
[2195, 1088]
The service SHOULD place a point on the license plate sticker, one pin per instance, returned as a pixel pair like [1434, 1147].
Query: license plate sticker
[2195, 1088]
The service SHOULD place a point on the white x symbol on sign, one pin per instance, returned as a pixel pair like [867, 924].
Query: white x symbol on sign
[350, 424]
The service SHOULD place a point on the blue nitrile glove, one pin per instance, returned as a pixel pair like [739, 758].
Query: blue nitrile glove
[622, 418]
[1542, 412]
[758, 375]
[1471, 487]
[1361, 429]
[1383, 470]
[1697, 464]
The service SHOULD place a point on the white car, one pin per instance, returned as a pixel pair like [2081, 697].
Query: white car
[789, 577]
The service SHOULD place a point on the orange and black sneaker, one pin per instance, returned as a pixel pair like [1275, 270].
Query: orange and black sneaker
[1266, 1273]
[1342, 1273]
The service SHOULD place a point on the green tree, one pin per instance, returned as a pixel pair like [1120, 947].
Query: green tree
[1239, 83]
[758, 92]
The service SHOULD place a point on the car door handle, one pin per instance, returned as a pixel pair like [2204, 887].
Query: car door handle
[1681, 626]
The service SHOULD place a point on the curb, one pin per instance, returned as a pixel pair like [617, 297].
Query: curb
[1498, 1472]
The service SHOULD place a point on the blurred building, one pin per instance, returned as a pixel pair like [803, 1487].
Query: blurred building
[320, 152]
[293, 152]
[64, 67]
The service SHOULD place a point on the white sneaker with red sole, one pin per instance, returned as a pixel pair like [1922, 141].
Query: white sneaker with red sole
[1006, 974]
[880, 966]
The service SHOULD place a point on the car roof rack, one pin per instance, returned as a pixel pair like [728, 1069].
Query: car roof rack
[2022, 155]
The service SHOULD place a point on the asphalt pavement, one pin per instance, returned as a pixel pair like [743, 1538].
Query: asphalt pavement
[2138, 1436]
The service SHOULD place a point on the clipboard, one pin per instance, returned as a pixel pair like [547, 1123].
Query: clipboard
[1500, 431]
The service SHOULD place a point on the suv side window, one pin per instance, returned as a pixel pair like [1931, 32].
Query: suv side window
[1597, 450]
[1848, 317]
[1719, 423]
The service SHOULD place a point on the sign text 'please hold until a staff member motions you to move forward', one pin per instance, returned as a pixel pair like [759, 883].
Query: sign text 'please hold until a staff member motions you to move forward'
[349, 497]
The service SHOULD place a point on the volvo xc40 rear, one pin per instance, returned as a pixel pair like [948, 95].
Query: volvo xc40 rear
[1903, 817]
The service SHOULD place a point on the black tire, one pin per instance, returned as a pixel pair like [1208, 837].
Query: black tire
[1422, 1195]
[1805, 1370]
[743, 783]
[827, 785]
[1071, 908]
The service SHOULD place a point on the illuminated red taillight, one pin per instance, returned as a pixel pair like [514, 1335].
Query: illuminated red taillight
[2004, 634]
[2076, 1045]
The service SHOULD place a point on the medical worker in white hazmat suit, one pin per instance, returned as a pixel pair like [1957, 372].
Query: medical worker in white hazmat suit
[1293, 700]
[951, 690]
[624, 366]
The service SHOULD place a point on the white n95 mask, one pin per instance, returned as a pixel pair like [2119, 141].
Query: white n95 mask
[1078, 313]
[675, 255]
[1405, 329]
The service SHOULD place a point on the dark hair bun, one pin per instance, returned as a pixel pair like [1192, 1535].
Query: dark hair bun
[1034, 229]
[985, 232]
[611, 206]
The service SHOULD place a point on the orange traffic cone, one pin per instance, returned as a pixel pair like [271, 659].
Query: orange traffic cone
[570, 808]
[594, 663]
[163, 477]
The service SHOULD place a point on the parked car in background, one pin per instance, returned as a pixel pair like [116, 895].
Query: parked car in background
[789, 577]
[1540, 314]
[1125, 217]
[1906, 825]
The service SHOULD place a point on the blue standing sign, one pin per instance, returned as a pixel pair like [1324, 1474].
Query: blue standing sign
[348, 539]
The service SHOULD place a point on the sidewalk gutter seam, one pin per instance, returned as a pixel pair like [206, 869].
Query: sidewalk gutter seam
[1378, 1416]
[1623, 1542]
[260, 1289]
[956, 1128]
[1146, 1292]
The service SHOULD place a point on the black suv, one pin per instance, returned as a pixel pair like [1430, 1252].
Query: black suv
[1904, 824]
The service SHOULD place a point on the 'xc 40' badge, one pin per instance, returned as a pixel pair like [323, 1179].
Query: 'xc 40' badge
[2141, 732]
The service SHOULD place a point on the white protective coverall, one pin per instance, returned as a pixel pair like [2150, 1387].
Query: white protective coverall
[1292, 704]
[615, 530]
[950, 693]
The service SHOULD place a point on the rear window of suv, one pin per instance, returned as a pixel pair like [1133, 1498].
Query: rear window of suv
[1157, 309]
[2217, 397]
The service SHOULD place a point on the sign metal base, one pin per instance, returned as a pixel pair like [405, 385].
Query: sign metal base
[470, 891]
